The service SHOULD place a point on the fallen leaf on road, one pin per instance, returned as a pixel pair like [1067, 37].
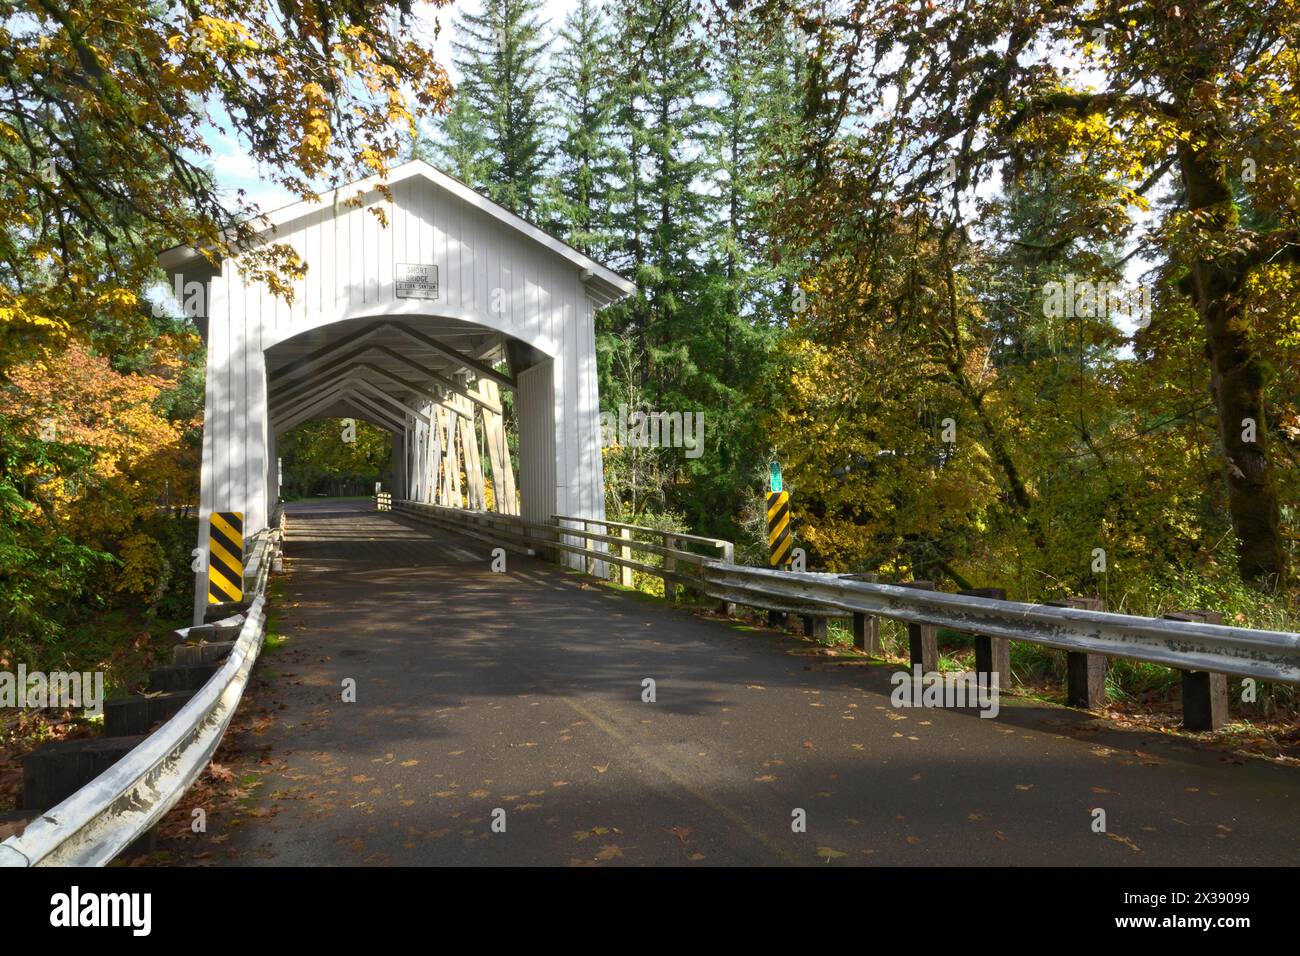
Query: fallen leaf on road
[609, 852]
[1124, 840]
[826, 853]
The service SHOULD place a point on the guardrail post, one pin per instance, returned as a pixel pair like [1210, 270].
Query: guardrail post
[693, 570]
[555, 554]
[727, 608]
[992, 654]
[625, 552]
[815, 627]
[1085, 674]
[670, 588]
[1205, 694]
[866, 628]
[866, 634]
[923, 639]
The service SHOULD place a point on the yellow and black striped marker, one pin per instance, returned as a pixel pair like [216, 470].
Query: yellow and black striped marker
[779, 540]
[225, 556]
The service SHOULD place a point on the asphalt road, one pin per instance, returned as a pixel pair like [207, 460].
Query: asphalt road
[522, 691]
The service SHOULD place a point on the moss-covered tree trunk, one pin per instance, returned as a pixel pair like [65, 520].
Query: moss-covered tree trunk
[1236, 376]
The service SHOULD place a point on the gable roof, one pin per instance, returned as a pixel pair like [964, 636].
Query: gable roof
[604, 283]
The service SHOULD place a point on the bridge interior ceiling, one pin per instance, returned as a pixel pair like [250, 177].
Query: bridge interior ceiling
[380, 369]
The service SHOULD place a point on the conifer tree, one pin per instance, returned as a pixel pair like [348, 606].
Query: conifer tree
[499, 131]
[579, 201]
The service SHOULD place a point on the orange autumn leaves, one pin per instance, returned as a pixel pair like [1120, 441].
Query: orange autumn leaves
[133, 458]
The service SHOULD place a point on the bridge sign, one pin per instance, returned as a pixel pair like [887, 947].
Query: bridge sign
[414, 281]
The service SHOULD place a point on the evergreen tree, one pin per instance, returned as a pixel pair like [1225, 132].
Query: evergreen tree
[499, 132]
[662, 204]
[579, 204]
[462, 149]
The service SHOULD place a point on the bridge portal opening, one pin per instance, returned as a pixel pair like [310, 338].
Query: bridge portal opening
[441, 391]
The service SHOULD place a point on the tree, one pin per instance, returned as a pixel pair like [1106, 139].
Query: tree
[102, 135]
[88, 456]
[322, 457]
[1192, 92]
[579, 77]
[505, 114]
[103, 124]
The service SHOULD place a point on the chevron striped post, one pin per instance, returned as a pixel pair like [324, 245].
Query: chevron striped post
[225, 557]
[779, 540]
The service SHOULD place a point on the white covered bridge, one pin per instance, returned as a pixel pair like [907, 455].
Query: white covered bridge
[418, 327]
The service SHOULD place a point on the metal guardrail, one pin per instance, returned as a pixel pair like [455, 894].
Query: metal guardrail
[119, 806]
[1184, 645]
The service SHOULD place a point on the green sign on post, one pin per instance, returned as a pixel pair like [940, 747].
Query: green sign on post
[775, 468]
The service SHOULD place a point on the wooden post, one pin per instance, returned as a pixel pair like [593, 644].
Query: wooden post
[1205, 694]
[866, 634]
[494, 436]
[474, 491]
[992, 654]
[866, 628]
[625, 552]
[923, 639]
[816, 627]
[1085, 674]
[670, 588]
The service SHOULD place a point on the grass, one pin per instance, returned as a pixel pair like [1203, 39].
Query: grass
[273, 639]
